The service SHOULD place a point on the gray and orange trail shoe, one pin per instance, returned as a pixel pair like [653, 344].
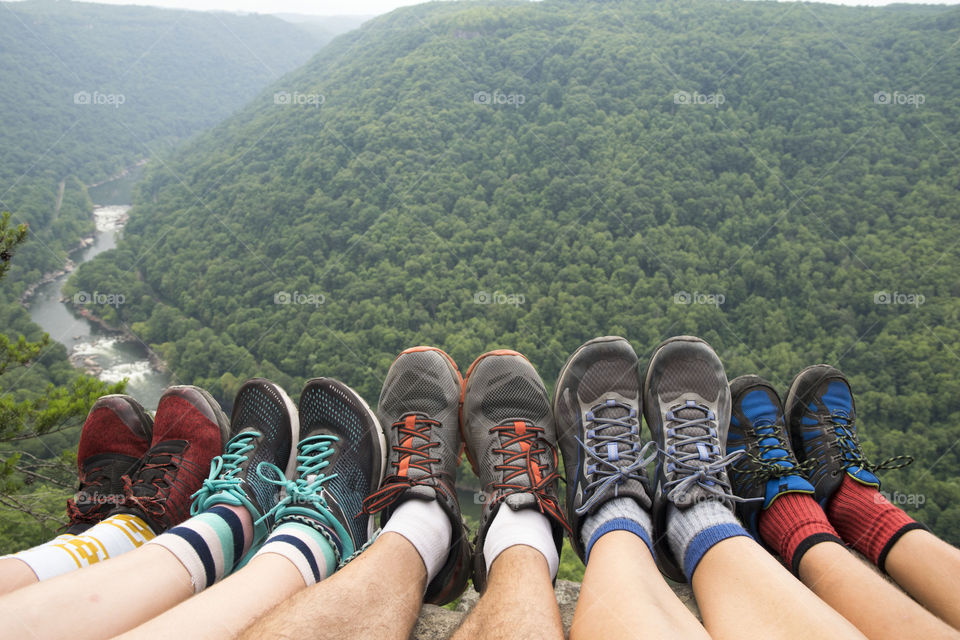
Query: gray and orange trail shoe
[687, 407]
[822, 420]
[115, 435]
[597, 409]
[189, 430]
[511, 442]
[769, 469]
[264, 428]
[418, 407]
[340, 461]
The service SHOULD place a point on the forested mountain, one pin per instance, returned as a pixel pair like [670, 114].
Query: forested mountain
[90, 89]
[781, 179]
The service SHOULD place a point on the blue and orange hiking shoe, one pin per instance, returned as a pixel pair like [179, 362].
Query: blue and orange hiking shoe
[115, 435]
[597, 409]
[418, 407]
[769, 469]
[511, 441]
[189, 430]
[822, 420]
[263, 426]
[340, 461]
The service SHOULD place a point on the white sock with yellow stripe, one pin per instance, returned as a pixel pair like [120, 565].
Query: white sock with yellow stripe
[114, 536]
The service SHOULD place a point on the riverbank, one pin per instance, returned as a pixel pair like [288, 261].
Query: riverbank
[109, 353]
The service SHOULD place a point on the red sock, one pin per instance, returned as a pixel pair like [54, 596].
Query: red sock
[793, 524]
[867, 521]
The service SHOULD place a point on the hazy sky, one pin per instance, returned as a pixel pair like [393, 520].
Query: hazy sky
[362, 7]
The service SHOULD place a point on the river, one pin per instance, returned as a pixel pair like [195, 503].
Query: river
[90, 346]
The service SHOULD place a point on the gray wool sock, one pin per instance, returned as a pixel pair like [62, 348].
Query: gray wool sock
[693, 531]
[617, 514]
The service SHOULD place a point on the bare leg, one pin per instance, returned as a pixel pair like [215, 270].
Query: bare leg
[227, 608]
[15, 574]
[378, 595]
[863, 597]
[929, 570]
[99, 597]
[624, 596]
[743, 592]
[519, 601]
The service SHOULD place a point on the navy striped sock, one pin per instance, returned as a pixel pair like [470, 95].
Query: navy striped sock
[209, 545]
[309, 551]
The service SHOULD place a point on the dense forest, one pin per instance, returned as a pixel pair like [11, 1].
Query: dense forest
[89, 90]
[778, 178]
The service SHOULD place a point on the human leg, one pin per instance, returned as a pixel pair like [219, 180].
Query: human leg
[188, 430]
[597, 410]
[782, 512]
[510, 438]
[316, 520]
[741, 590]
[115, 435]
[929, 570]
[422, 553]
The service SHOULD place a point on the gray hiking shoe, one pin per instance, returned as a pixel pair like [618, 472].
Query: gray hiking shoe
[418, 410]
[597, 408]
[511, 442]
[687, 407]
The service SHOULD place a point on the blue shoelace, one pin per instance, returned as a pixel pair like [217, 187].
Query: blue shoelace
[612, 464]
[696, 441]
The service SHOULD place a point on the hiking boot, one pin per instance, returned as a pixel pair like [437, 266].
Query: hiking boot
[687, 407]
[511, 442]
[822, 420]
[188, 431]
[418, 406]
[596, 405]
[115, 435]
[769, 468]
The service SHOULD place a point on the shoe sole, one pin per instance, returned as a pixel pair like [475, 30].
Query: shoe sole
[218, 416]
[791, 398]
[463, 395]
[291, 470]
[738, 384]
[139, 413]
[381, 437]
[664, 556]
[566, 367]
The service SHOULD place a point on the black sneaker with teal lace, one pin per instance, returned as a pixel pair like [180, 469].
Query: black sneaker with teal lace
[822, 420]
[340, 461]
[769, 469]
[263, 427]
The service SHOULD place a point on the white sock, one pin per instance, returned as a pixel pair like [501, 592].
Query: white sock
[424, 524]
[114, 536]
[525, 526]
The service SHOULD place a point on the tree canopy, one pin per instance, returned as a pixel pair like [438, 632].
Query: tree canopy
[780, 179]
